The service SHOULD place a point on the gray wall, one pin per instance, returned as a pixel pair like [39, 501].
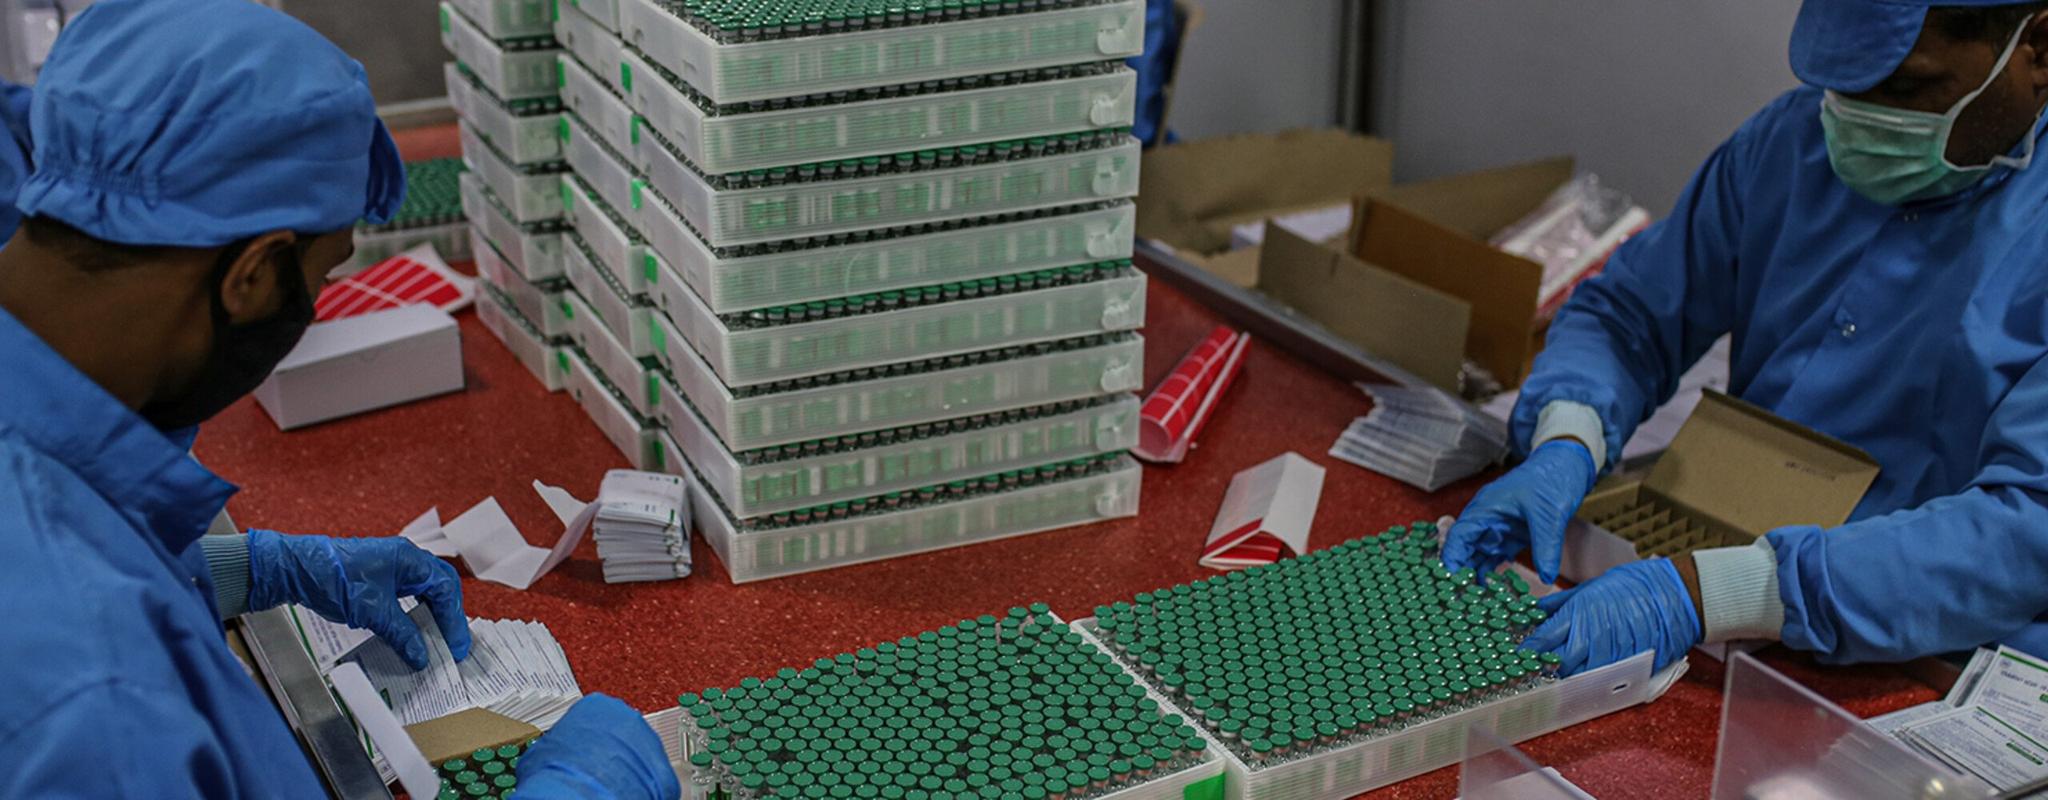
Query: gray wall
[398, 41]
[1258, 65]
[1639, 90]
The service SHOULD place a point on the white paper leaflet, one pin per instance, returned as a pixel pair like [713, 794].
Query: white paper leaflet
[1424, 437]
[640, 521]
[1992, 724]
[1266, 512]
[515, 668]
[395, 752]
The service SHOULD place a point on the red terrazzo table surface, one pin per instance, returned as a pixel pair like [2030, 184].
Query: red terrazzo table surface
[371, 474]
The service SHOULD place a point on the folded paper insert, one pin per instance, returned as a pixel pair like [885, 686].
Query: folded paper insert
[1266, 511]
[1183, 401]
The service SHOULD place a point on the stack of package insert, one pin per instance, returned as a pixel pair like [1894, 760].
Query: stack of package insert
[863, 268]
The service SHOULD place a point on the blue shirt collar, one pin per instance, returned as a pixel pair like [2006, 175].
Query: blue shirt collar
[138, 470]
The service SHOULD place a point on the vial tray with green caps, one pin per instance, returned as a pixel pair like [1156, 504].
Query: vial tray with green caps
[910, 188]
[512, 69]
[881, 120]
[488, 774]
[525, 131]
[431, 214]
[1353, 667]
[995, 506]
[1011, 705]
[867, 330]
[904, 393]
[735, 51]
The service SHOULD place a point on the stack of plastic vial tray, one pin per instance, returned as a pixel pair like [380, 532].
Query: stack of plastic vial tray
[490, 774]
[431, 214]
[503, 88]
[1011, 705]
[1354, 667]
[861, 269]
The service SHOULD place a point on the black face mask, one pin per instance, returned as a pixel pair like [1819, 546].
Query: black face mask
[243, 355]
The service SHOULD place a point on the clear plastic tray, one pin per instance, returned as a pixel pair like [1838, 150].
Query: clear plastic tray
[752, 490]
[542, 359]
[541, 306]
[738, 142]
[762, 355]
[534, 252]
[616, 183]
[730, 73]
[728, 285]
[530, 139]
[531, 194]
[508, 19]
[509, 74]
[619, 250]
[603, 112]
[629, 320]
[788, 551]
[742, 216]
[764, 420]
[603, 12]
[1358, 768]
[636, 382]
[451, 241]
[634, 438]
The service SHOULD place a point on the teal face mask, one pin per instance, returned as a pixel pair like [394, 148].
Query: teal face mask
[1895, 156]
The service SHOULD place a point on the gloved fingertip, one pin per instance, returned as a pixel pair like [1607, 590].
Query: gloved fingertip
[1550, 603]
[415, 654]
[1548, 637]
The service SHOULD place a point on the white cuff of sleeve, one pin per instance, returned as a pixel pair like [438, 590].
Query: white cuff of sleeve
[1739, 592]
[1562, 419]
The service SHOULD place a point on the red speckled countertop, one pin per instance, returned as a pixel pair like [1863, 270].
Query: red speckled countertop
[371, 474]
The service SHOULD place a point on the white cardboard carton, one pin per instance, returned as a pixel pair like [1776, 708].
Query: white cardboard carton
[364, 363]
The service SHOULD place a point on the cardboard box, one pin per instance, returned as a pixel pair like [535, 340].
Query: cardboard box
[1432, 235]
[1192, 194]
[467, 731]
[364, 363]
[1734, 473]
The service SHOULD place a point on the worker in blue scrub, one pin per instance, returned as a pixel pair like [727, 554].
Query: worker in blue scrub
[14, 149]
[1877, 243]
[198, 167]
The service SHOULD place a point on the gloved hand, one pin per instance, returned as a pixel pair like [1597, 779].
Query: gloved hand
[1640, 605]
[357, 582]
[601, 748]
[1529, 505]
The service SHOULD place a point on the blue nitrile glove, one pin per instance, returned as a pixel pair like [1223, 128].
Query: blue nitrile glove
[357, 582]
[1530, 504]
[601, 748]
[1640, 605]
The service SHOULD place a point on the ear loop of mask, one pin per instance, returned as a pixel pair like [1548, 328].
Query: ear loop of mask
[2026, 156]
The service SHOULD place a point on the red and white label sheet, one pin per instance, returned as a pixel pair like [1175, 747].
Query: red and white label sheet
[1266, 514]
[418, 275]
[1183, 401]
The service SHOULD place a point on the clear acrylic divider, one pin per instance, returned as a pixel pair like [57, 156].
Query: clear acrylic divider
[1495, 770]
[1781, 740]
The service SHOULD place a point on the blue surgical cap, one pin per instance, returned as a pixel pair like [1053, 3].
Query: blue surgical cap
[198, 123]
[1851, 46]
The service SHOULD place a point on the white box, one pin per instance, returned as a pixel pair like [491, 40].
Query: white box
[364, 363]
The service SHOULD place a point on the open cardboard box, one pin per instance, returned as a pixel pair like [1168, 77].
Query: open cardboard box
[1734, 473]
[1416, 253]
[467, 731]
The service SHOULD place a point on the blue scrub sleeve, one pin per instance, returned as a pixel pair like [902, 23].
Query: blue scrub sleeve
[14, 153]
[114, 738]
[1621, 343]
[1951, 574]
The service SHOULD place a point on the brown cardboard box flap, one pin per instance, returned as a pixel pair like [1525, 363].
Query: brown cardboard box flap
[1501, 288]
[1479, 204]
[1754, 472]
[1417, 328]
[467, 731]
[1184, 187]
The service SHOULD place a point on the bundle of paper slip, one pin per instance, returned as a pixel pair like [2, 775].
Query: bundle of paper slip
[1991, 725]
[642, 526]
[515, 668]
[1424, 437]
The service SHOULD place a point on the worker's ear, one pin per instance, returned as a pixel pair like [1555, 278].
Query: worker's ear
[2035, 41]
[250, 290]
